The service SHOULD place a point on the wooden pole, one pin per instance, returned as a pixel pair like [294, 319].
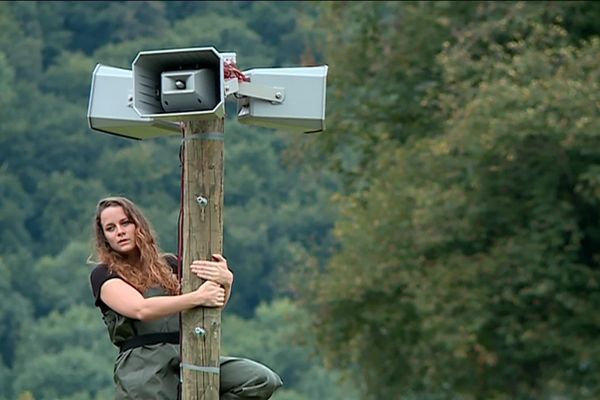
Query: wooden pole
[202, 235]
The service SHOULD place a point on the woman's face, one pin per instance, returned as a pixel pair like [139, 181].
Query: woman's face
[118, 229]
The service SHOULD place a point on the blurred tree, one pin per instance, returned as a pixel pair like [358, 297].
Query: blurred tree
[21, 39]
[276, 337]
[225, 33]
[77, 342]
[15, 318]
[64, 204]
[5, 381]
[270, 209]
[42, 21]
[79, 373]
[65, 280]
[381, 65]
[41, 137]
[15, 208]
[289, 27]
[153, 171]
[7, 76]
[382, 59]
[470, 264]
[110, 21]
[69, 77]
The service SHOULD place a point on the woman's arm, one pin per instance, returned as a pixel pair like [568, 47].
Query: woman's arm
[126, 300]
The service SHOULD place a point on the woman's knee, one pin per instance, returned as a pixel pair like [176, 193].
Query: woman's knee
[272, 381]
[248, 379]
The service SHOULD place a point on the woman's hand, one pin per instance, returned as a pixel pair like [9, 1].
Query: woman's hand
[214, 271]
[210, 294]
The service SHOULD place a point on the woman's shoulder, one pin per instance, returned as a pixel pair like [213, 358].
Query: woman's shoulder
[100, 274]
[100, 270]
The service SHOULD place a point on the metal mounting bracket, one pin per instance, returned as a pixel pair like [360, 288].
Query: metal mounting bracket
[275, 95]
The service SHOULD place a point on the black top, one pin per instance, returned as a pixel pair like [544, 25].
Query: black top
[101, 274]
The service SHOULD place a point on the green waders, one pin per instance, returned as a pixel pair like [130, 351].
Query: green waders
[150, 371]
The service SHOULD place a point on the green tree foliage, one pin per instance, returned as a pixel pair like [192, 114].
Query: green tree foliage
[81, 26]
[224, 32]
[56, 224]
[66, 279]
[65, 354]
[157, 161]
[7, 76]
[470, 262]
[21, 39]
[53, 169]
[276, 336]
[15, 209]
[79, 372]
[288, 29]
[69, 77]
[381, 66]
[5, 381]
[15, 316]
[271, 210]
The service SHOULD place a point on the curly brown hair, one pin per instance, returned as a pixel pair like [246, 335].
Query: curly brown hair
[151, 268]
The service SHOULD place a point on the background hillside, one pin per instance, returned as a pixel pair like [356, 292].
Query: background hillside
[438, 241]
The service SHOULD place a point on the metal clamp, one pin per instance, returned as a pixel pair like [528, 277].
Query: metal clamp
[213, 136]
[275, 95]
[210, 370]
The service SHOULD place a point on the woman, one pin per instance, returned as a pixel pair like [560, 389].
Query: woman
[137, 291]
